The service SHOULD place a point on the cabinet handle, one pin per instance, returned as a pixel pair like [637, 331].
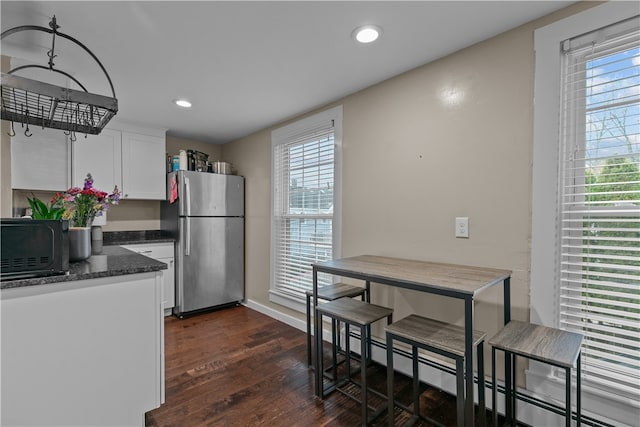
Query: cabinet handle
[146, 252]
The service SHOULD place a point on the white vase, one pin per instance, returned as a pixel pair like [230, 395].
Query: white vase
[96, 239]
[100, 220]
[79, 243]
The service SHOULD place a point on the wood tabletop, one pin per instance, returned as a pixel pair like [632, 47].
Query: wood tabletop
[430, 275]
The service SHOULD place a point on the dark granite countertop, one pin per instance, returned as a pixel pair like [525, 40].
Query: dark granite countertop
[135, 237]
[113, 261]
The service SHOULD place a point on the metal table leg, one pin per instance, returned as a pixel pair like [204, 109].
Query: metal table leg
[390, 383]
[578, 391]
[567, 385]
[461, 403]
[468, 360]
[309, 355]
[494, 390]
[368, 299]
[482, 404]
[317, 336]
[513, 397]
[507, 361]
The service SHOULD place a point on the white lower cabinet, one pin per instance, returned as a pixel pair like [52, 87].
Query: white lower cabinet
[163, 252]
[82, 353]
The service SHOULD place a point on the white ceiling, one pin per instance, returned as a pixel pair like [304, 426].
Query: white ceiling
[247, 65]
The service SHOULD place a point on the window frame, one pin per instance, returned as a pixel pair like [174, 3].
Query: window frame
[546, 139]
[581, 210]
[284, 135]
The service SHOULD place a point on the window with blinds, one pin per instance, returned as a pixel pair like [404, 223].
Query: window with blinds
[304, 200]
[599, 203]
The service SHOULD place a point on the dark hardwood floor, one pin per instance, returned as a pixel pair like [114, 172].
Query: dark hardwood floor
[238, 367]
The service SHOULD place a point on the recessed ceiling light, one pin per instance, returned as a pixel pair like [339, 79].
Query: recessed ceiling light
[367, 33]
[182, 103]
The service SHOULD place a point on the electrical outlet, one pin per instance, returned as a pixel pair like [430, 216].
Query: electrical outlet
[462, 227]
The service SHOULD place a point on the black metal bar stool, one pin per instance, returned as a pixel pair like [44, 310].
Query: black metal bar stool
[359, 314]
[543, 344]
[331, 293]
[440, 338]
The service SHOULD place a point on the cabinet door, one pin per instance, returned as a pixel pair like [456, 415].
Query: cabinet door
[163, 252]
[144, 172]
[100, 156]
[82, 353]
[40, 162]
[169, 280]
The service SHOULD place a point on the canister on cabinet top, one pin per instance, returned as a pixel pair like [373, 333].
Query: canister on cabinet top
[183, 160]
[191, 160]
[175, 163]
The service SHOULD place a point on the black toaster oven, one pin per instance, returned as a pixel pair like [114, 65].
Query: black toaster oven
[33, 248]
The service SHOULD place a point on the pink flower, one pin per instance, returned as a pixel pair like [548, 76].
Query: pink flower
[83, 205]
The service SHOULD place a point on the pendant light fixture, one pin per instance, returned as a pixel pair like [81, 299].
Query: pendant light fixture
[36, 103]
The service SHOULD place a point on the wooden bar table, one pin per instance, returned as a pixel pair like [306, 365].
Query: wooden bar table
[455, 281]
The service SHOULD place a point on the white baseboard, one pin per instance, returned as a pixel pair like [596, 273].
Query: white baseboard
[278, 315]
[609, 409]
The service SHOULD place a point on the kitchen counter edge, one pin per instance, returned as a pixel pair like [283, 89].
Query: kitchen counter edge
[113, 261]
[111, 238]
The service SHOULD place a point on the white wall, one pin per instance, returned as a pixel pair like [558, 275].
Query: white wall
[450, 138]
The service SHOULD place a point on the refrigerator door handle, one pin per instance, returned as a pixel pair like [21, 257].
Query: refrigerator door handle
[187, 240]
[187, 189]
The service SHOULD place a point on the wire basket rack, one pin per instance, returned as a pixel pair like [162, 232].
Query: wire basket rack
[32, 102]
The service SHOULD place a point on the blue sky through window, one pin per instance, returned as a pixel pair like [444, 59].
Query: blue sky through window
[613, 107]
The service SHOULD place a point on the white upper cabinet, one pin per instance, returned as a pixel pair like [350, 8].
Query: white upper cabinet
[143, 166]
[100, 156]
[40, 162]
[134, 161]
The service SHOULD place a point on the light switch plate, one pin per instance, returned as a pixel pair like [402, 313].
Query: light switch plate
[462, 227]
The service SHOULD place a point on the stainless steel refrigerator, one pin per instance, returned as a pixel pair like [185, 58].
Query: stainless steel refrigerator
[207, 219]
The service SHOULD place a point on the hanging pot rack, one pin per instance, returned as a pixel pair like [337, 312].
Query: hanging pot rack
[32, 102]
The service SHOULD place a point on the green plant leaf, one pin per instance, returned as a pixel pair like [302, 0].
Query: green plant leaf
[40, 210]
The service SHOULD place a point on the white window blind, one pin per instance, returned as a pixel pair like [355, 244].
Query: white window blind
[303, 206]
[599, 203]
